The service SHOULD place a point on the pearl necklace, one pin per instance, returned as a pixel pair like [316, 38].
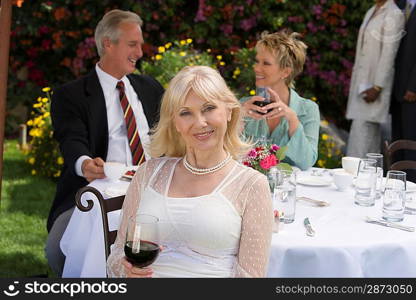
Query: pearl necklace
[213, 169]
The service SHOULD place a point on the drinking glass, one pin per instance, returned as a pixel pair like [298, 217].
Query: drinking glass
[285, 194]
[262, 92]
[394, 196]
[379, 165]
[142, 240]
[365, 183]
[272, 178]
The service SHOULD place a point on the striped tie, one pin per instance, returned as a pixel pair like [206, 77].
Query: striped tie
[136, 148]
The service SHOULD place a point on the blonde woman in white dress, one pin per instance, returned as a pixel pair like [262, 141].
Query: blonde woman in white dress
[215, 214]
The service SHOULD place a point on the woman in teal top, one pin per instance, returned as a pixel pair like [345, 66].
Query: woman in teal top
[289, 119]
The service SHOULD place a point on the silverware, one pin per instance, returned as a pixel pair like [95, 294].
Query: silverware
[389, 224]
[313, 201]
[308, 226]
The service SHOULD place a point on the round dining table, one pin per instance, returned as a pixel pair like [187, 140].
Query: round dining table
[344, 244]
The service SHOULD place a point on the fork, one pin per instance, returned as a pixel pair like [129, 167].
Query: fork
[314, 201]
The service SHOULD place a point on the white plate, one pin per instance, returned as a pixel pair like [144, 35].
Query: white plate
[129, 169]
[314, 181]
[410, 187]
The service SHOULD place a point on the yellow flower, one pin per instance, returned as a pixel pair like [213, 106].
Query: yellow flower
[320, 163]
[182, 42]
[252, 92]
[46, 89]
[57, 174]
[44, 100]
[189, 41]
[167, 46]
[314, 99]
[324, 123]
[39, 99]
[219, 57]
[182, 53]
[31, 160]
[60, 160]
[46, 114]
[37, 105]
[158, 57]
[234, 77]
[324, 136]
[161, 49]
[33, 172]
[237, 71]
[222, 63]
[29, 123]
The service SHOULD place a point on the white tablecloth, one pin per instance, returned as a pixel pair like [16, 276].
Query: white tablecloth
[343, 246]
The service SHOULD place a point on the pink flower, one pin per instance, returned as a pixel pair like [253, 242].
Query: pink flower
[268, 162]
[252, 153]
[274, 148]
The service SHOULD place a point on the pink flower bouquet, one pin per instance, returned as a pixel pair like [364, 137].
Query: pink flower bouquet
[263, 157]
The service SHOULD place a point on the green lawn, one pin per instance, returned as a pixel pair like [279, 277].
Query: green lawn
[24, 207]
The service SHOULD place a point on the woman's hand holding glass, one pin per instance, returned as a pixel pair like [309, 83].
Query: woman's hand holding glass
[254, 111]
[278, 108]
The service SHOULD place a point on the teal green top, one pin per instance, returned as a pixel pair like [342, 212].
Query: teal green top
[303, 145]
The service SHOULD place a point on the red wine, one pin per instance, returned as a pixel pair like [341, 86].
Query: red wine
[261, 104]
[146, 256]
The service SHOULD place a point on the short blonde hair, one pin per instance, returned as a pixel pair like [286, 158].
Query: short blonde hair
[289, 51]
[208, 84]
[108, 26]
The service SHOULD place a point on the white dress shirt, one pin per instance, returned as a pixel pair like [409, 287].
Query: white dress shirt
[118, 144]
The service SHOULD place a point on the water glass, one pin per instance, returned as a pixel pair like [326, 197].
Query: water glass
[365, 183]
[394, 196]
[272, 178]
[379, 159]
[285, 195]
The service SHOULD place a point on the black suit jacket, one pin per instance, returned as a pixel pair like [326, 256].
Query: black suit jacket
[405, 65]
[79, 119]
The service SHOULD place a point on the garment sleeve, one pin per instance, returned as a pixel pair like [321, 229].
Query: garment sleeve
[303, 144]
[69, 121]
[256, 231]
[391, 34]
[129, 209]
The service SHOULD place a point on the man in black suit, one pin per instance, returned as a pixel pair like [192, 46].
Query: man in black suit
[89, 123]
[403, 104]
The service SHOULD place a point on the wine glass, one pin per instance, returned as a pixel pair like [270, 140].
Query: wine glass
[142, 240]
[262, 92]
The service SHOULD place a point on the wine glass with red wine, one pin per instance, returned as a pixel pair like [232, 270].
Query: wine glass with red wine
[142, 240]
[262, 92]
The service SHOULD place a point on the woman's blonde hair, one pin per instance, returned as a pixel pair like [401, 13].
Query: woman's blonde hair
[108, 26]
[290, 52]
[208, 84]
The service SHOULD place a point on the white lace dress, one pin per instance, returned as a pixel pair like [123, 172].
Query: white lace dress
[226, 233]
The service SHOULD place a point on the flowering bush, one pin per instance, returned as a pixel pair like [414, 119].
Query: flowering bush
[263, 157]
[59, 33]
[172, 57]
[329, 151]
[43, 154]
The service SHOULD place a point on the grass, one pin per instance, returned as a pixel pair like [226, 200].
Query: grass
[24, 207]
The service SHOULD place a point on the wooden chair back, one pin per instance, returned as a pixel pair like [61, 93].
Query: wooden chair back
[106, 206]
[391, 149]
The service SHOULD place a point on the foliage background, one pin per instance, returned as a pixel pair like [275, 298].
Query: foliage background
[52, 42]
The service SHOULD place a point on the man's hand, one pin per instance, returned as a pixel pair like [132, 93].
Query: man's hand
[93, 169]
[410, 96]
[371, 95]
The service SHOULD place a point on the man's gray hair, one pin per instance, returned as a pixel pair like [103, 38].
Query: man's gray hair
[108, 26]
